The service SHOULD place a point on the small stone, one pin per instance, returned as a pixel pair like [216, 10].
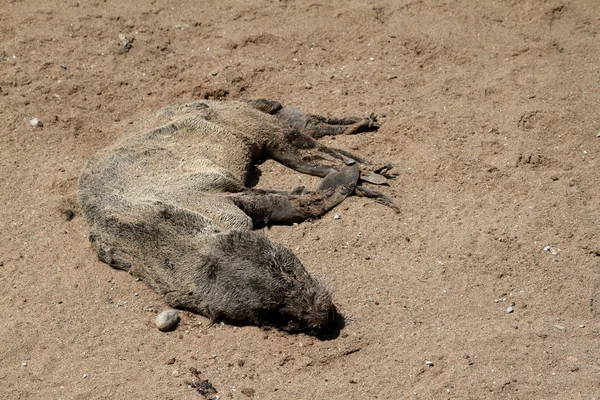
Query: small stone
[547, 248]
[36, 123]
[126, 42]
[340, 92]
[308, 86]
[69, 215]
[371, 59]
[510, 309]
[429, 363]
[598, 134]
[85, 376]
[167, 320]
[336, 216]
[24, 364]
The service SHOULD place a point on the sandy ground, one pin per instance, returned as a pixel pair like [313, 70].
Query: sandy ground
[490, 112]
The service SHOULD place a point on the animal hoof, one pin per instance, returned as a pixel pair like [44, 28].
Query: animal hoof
[347, 177]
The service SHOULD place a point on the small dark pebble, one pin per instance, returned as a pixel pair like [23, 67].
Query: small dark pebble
[248, 392]
[205, 388]
[171, 361]
[352, 381]
[241, 362]
[69, 214]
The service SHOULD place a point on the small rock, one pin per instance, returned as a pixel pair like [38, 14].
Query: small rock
[429, 363]
[308, 86]
[24, 364]
[340, 92]
[85, 376]
[510, 309]
[126, 42]
[371, 59]
[547, 248]
[336, 216]
[36, 123]
[598, 134]
[167, 320]
[69, 215]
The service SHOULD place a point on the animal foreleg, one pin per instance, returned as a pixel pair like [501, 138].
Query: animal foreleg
[267, 208]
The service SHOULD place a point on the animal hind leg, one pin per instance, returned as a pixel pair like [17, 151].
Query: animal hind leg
[267, 208]
[316, 126]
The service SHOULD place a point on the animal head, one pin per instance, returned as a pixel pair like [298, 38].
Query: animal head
[269, 285]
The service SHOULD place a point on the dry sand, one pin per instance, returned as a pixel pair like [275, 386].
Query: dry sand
[490, 112]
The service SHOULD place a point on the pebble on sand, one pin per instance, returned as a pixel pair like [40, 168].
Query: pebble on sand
[36, 123]
[167, 320]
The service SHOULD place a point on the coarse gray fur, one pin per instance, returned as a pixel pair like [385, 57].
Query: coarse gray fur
[169, 202]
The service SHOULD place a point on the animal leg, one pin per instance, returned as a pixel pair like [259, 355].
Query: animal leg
[267, 208]
[317, 126]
